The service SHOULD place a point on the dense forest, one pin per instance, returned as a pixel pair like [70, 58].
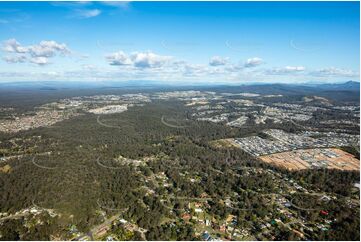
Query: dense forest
[61, 171]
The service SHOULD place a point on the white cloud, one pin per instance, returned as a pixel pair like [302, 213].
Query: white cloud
[175, 71]
[48, 49]
[12, 45]
[218, 61]
[194, 70]
[148, 59]
[295, 68]
[117, 4]
[15, 59]
[138, 59]
[88, 67]
[118, 59]
[87, 13]
[40, 60]
[89, 9]
[234, 68]
[252, 62]
[147, 65]
[79, 9]
[37, 54]
[333, 71]
[286, 70]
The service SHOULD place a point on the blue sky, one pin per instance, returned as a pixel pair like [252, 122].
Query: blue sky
[222, 42]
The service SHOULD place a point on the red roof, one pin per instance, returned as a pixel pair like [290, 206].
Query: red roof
[186, 216]
[323, 212]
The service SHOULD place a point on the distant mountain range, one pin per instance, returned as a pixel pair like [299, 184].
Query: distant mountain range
[346, 86]
[15, 91]
[54, 85]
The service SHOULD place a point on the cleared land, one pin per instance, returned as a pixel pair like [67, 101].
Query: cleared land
[224, 143]
[314, 158]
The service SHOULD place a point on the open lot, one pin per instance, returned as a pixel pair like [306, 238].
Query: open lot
[314, 158]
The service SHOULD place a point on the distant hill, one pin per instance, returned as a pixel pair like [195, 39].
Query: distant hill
[52, 85]
[347, 86]
[348, 91]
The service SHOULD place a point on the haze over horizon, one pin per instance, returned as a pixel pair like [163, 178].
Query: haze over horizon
[180, 42]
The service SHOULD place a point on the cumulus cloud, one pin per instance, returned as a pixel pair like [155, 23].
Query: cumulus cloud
[148, 65]
[218, 61]
[12, 45]
[148, 59]
[252, 62]
[48, 49]
[175, 71]
[40, 60]
[138, 59]
[15, 59]
[118, 59]
[38, 54]
[194, 70]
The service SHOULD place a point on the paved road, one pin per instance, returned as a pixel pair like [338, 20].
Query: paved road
[192, 198]
[14, 216]
[171, 125]
[42, 167]
[108, 167]
[95, 229]
[106, 125]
